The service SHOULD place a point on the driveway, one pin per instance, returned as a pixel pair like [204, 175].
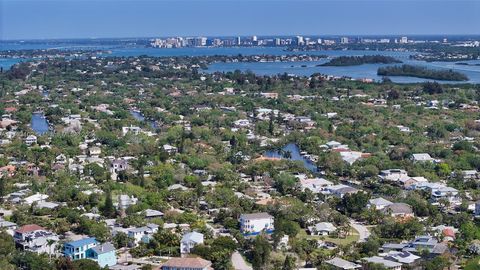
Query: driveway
[239, 263]
[363, 231]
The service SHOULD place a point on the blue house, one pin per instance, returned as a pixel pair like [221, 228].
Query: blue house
[76, 250]
[103, 254]
[90, 248]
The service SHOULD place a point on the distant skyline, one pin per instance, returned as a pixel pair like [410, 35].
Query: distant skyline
[48, 19]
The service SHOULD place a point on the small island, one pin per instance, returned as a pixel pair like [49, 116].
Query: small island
[360, 60]
[422, 72]
[466, 64]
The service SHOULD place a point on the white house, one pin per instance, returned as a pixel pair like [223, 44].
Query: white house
[169, 149]
[125, 201]
[242, 123]
[378, 203]
[31, 139]
[131, 129]
[35, 198]
[393, 175]
[253, 224]
[315, 185]
[189, 241]
[142, 233]
[422, 157]
[322, 228]
[36, 239]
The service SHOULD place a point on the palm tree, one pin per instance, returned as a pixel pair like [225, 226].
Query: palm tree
[50, 243]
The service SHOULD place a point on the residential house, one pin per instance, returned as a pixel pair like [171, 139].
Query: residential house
[315, 185]
[477, 208]
[118, 165]
[31, 139]
[398, 210]
[188, 263]
[420, 243]
[8, 170]
[35, 198]
[448, 194]
[378, 203]
[131, 129]
[142, 234]
[125, 201]
[385, 263]
[94, 151]
[422, 157]
[393, 175]
[103, 254]
[151, 214]
[35, 239]
[189, 241]
[269, 95]
[322, 228]
[77, 250]
[253, 224]
[169, 149]
[339, 263]
[8, 226]
[404, 257]
[242, 123]
[340, 190]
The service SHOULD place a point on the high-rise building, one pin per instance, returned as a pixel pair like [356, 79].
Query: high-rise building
[278, 42]
[403, 40]
[239, 41]
[299, 40]
[344, 40]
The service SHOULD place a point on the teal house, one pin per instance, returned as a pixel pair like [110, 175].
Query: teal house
[90, 248]
[103, 254]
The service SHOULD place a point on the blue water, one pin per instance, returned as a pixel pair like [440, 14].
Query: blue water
[140, 117]
[39, 124]
[295, 156]
[356, 72]
[6, 63]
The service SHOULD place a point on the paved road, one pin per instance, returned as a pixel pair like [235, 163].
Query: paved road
[362, 230]
[239, 263]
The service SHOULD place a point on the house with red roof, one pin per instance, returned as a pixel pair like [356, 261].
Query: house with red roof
[36, 239]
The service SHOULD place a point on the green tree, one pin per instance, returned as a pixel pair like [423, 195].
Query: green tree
[289, 263]
[260, 252]
[108, 208]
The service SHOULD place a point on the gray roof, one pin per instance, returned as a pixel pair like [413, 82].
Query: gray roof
[379, 201]
[398, 208]
[380, 260]
[103, 248]
[343, 264]
[256, 216]
[193, 237]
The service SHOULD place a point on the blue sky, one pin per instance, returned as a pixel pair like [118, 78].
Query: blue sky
[37, 19]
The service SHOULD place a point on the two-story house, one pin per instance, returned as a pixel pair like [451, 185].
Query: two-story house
[189, 241]
[35, 239]
[253, 224]
[77, 250]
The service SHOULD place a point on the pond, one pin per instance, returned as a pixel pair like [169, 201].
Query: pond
[295, 155]
[140, 117]
[39, 123]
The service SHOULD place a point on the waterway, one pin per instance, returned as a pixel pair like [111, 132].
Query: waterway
[295, 156]
[295, 68]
